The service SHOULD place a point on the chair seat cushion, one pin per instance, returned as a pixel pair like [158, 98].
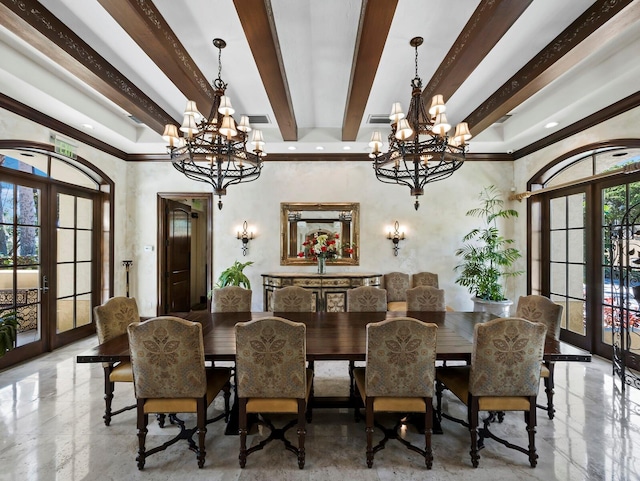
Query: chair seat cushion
[278, 405]
[397, 306]
[456, 379]
[216, 379]
[121, 373]
[544, 371]
[388, 404]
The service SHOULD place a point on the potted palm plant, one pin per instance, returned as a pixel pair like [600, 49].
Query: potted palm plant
[9, 321]
[487, 256]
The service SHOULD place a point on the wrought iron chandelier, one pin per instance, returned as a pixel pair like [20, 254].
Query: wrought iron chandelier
[214, 149]
[420, 151]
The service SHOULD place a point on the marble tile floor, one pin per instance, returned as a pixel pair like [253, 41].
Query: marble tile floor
[52, 429]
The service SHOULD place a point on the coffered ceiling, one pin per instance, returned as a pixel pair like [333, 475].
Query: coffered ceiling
[318, 73]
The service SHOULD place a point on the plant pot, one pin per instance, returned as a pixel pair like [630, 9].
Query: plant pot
[498, 308]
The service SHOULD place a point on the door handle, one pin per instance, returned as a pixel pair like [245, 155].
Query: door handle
[45, 285]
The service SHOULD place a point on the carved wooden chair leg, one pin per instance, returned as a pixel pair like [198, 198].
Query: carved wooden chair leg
[143, 420]
[369, 430]
[530, 419]
[473, 431]
[302, 431]
[108, 396]
[243, 432]
[428, 425]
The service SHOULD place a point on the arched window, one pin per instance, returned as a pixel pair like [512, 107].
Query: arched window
[576, 198]
[56, 245]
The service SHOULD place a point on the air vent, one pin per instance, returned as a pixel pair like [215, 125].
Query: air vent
[503, 119]
[379, 119]
[259, 119]
[136, 120]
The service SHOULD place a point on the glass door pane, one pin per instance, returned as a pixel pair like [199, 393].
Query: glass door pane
[20, 258]
[567, 252]
[75, 235]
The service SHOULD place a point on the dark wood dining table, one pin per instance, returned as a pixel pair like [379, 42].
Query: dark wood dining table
[334, 335]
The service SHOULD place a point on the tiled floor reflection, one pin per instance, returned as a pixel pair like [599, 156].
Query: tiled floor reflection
[51, 429]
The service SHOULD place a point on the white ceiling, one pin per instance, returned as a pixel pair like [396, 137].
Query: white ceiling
[317, 41]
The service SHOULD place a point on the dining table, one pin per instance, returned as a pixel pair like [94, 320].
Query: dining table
[334, 336]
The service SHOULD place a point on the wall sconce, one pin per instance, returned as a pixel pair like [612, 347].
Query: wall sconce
[245, 236]
[396, 236]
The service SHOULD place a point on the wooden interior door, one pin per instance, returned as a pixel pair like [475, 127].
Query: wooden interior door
[177, 252]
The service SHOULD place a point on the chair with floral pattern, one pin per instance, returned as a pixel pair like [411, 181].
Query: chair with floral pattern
[231, 299]
[366, 299]
[398, 378]
[504, 376]
[272, 378]
[112, 319]
[424, 279]
[542, 309]
[396, 284]
[293, 299]
[169, 376]
[425, 298]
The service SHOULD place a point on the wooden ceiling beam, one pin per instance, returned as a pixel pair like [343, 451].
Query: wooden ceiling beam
[487, 25]
[597, 25]
[256, 17]
[37, 26]
[144, 23]
[375, 21]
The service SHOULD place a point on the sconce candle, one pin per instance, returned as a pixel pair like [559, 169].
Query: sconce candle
[245, 236]
[396, 236]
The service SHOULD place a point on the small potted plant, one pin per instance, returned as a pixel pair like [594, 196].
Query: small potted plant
[9, 321]
[488, 257]
[233, 276]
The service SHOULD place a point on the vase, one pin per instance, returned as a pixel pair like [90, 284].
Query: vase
[321, 265]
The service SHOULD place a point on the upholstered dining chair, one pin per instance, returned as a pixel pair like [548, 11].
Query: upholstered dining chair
[293, 299]
[399, 378]
[396, 284]
[425, 298]
[366, 299]
[169, 376]
[424, 279]
[231, 299]
[504, 376]
[542, 309]
[112, 319]
[272, 378]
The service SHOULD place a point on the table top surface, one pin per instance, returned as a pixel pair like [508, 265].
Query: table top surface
[326, 275]
[335, 335]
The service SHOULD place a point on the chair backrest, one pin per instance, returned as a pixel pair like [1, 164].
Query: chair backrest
[425, 298]
[366, 299]
[293, 299]
[231, 299]
[506, 357]
[424, 279]
[167, 358]
[401, 356]
[270, 358]
[541, 309]
[396, 284]
[113, 317]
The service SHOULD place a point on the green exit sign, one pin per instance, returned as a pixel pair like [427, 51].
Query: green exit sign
[64, 147]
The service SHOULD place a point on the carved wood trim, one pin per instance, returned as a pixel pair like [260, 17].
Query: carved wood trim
[595, 26]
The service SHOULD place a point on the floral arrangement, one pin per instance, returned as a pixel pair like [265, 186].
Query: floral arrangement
[323, 246]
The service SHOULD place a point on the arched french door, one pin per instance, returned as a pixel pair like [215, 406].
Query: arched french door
[55, 246]
[580, 196]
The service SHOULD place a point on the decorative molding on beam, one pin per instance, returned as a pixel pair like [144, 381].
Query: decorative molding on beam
[36, 25]
[595, 26]
[487, 25]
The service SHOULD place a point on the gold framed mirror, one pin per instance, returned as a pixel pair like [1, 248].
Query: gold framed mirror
[302, 221]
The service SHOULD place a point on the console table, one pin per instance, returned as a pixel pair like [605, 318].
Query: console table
[329, 290]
